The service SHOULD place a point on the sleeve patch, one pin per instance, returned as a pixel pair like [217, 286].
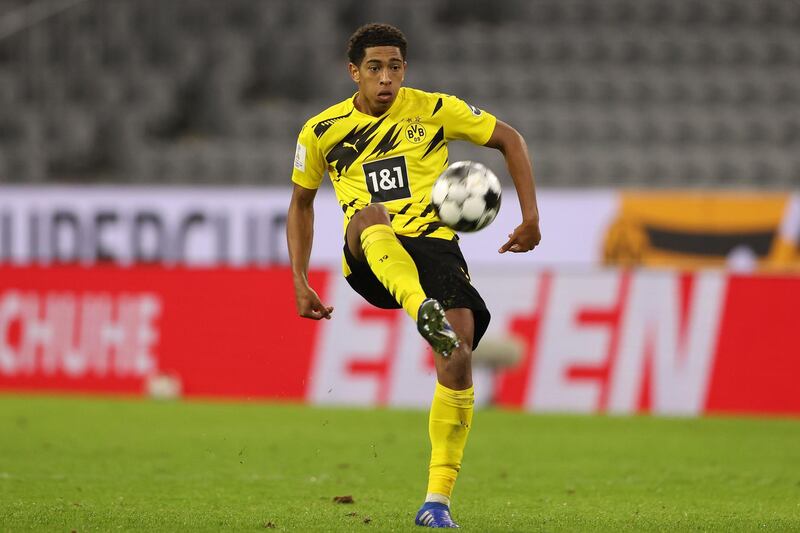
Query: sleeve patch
[300, 158]
[475, 110]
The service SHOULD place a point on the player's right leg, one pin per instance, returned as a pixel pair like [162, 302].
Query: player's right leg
[371, 239]
[449, 423]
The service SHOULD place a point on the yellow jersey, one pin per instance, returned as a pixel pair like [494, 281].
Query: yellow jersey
[392, 159]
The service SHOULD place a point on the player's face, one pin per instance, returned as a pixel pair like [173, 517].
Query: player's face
[379, 78]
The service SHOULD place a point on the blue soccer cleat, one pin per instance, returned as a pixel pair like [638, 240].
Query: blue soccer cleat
[434, 514]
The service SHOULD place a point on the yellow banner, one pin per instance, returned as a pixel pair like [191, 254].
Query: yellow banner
[750, 231]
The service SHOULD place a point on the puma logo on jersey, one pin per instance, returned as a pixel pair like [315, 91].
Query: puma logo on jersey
[350, 145]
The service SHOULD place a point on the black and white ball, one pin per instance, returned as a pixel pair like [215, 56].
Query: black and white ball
[466, 196]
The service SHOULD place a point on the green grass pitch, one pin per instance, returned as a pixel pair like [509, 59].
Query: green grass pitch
[77, 464]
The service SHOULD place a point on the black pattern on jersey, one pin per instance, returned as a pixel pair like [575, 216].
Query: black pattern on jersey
[388, 143]
[436, 143]
[437, 107]
[321, 127]
[346, 151]
[427, 211]
[431, 227]
[409, 221]
[349, 204]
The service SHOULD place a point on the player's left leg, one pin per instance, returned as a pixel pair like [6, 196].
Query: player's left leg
[450, 422]
[371, 239]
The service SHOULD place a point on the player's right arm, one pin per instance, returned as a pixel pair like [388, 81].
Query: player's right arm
[309, 167]
[299, 237]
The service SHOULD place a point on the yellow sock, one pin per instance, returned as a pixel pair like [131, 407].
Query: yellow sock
[393, 266]
[450, 420]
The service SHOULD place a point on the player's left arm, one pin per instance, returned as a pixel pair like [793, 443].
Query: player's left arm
[527, 235]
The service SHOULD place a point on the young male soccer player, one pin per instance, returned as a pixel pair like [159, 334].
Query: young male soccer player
[383, 149]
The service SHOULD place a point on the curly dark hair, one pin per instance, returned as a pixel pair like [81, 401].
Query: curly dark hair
[374, 34]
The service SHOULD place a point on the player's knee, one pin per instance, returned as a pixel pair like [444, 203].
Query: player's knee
[457, 368]
[369, 216]
[372, 214]
[464, 358]
[458, 380]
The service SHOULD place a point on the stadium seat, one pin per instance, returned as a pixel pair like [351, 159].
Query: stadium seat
[631, 92]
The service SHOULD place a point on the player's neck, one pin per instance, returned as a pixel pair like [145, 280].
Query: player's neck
[361, 104]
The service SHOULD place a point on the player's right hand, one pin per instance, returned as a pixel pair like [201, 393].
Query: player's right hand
[309, 305]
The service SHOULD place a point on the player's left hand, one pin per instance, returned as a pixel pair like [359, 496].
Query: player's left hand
[524, 238]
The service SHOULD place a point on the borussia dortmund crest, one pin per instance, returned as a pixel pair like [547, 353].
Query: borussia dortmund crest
[415, 131]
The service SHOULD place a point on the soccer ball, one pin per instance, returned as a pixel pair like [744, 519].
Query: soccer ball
[466, 196]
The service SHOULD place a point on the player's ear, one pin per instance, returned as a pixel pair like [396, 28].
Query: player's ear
[355, 75]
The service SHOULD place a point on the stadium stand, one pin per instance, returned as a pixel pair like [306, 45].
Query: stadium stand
[645, 93]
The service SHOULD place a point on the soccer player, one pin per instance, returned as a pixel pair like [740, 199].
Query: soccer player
[383, 148]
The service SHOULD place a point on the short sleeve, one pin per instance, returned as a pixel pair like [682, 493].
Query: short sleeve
[309, 165]
[466, 122]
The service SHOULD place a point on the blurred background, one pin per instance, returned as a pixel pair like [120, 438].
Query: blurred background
[146, 134]
[647, 93]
